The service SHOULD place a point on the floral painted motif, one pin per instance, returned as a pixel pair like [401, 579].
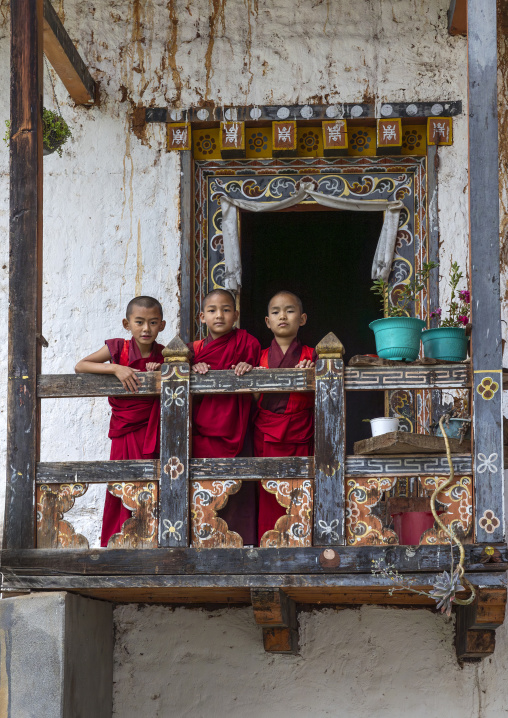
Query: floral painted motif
[486, 463]
[206, 144]
[295, 527]
[171, 529]
[309, 141]
[487, 388]
[140, 531]
[52, 530]
[489, 522]
[412, 139]
[362, 527]
[174, 396]
[174, 467]
[208, 529]
[457, 502]
[360, 141]
[258, 142]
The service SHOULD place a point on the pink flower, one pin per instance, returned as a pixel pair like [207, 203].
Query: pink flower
[436, 312]
[464, 320]
[465, 295]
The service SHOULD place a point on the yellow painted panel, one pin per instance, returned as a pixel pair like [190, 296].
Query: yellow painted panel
[310, 142]
[205, 144]
[258, 142]
[362, 141]
[414, 140]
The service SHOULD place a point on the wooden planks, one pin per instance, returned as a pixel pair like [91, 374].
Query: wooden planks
[246, 469]
[403, 442]
[25, 271]
[65, 59]
[186, 239]
[54, 386]
[175, 446]
[329, 440]
[242, 561]
[486, 335]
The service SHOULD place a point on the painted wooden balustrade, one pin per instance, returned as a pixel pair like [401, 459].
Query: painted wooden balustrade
[330, 499]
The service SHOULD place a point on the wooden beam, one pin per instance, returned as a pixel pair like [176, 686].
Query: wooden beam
[186, 221]
[486, 334]
[25, 271]
[456, 376]
[276, 613]
[457, 17]
[66, 60]
[241, 561]
[477, 623]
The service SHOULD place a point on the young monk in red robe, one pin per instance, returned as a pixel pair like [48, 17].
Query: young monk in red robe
[134, 427]
[220, 422]
[284, 423]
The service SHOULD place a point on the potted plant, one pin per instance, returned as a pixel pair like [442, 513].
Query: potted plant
[457, 421]
[55, 132]
[448, 340]
[398, 334]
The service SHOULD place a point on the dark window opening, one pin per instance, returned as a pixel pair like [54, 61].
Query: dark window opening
[326, 258]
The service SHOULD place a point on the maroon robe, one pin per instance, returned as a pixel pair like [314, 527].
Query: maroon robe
[134, 428]
[284, 424]
[220, 423]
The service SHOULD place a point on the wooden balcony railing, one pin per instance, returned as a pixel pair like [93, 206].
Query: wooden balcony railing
[176, 500]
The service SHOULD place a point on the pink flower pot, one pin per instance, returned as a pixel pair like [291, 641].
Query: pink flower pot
[410, 525]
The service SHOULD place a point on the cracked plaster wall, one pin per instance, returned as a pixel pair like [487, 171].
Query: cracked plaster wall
[111, 230]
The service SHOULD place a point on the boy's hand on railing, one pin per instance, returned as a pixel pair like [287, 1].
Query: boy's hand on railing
[305, 364]
[153, 366]
[241, 368]
[200, 368]
[127, 376]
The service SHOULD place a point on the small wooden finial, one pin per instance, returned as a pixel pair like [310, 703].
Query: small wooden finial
[176, 351]
[330, 347]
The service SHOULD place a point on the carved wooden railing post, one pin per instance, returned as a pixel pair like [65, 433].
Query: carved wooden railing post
[330, 433]
[174, 475]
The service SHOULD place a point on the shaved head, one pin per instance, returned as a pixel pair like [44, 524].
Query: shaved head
[296, 298]
[224, 293]
[146, 303]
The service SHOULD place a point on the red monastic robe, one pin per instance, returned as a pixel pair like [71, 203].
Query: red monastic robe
[220, 422]
[134, 428]
[284, 424]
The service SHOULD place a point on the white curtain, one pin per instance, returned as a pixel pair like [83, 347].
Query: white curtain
[385, 246]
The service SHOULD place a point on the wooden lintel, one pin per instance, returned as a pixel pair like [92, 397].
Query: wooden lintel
[477, 623]
[65, 59]
[275, 612]
[457, 17]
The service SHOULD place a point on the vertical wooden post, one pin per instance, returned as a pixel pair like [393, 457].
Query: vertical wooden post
[25, 270]
[174, 478]
[484, 259]
[330, 441]
[186, 278]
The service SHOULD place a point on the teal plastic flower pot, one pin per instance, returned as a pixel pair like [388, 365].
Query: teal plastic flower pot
[448, 343]
[398, 338]
[453, 428]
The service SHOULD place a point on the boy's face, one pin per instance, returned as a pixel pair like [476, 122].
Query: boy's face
[284, 316]
[219, 314]
[144, 325]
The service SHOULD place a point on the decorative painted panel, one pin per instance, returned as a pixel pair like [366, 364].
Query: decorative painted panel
[439, 131]
[140, 531]
[310, 142]
[458, 513]
[207, 529]
[54, 500]
[295, 528]
[362, 526]
[258, 142]
[179, 136]
[414, 140]
[206, 144]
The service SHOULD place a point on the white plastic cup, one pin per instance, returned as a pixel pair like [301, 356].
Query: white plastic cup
[383, 425]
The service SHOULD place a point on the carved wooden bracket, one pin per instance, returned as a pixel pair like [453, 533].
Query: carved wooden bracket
[276, 613]
[362, 526]
[477, 623]
[208, 529]
[53, 501]
[141, 498]
[295, 528]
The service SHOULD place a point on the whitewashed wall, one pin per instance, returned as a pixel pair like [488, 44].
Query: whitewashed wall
[111, 214]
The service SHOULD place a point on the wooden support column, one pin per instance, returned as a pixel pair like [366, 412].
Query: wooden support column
[186, 216]
[175, 446]
[25, 270]
[484, 260]
[330, 440]
[477, 623]
[276, 613]
[65, 59]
